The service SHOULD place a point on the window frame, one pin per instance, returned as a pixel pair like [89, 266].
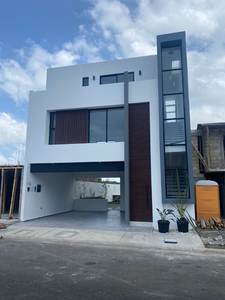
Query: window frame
[116, 75]
[89, 124]
[52, 129]
[83, 80]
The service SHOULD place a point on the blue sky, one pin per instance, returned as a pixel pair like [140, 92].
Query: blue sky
[39, 34]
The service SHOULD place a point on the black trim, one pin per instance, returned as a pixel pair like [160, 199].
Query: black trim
[51, 128]
[78, 167]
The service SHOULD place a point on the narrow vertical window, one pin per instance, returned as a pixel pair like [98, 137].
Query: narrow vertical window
[174, 122]
[85, 81]
[52, 128]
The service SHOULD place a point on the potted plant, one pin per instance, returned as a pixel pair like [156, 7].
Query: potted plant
[181, 205]
[164, 223]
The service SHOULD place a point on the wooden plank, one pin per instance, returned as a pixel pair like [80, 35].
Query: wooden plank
[2, 176]
[13, 194]
[10, 168]
[21, 189]
[200, 156]
[208, 142]
[5, 180]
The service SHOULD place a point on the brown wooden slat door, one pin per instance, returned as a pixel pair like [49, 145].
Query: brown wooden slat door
[71, 127]
[140, 169]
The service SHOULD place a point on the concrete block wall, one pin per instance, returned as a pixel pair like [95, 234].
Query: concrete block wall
[216, 148]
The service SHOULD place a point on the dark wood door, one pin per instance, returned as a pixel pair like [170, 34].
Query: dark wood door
[140, 169]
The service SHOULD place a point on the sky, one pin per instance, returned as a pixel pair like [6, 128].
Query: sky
[40, 34]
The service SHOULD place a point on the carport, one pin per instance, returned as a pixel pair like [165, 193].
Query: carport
[50, 195]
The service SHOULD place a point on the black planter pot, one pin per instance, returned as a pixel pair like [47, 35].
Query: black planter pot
[163, 226]
[182, 225]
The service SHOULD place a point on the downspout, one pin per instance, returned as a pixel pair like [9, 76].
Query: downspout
[126, 151]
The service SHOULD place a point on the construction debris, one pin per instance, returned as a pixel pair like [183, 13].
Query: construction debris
[212, 223]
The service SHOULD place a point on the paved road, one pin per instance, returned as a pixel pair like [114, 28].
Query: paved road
[30, 270]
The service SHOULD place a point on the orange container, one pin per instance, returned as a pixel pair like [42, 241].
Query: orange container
[207, 202]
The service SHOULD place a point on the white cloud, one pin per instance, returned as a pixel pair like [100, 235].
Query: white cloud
[133, 33]
[17, 79]
[3, 160]
[11, 130]
[120, 31]
[12, 139]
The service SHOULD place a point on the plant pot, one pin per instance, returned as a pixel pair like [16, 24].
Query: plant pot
[163, 226]
[182, 225]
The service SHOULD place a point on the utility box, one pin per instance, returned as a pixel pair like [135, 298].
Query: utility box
[207, 199]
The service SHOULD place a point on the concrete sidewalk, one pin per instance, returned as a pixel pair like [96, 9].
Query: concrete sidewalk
[187, 242]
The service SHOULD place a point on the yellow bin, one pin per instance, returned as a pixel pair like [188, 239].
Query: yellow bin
[207, 202]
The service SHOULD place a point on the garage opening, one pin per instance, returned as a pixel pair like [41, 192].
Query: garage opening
[90, 196]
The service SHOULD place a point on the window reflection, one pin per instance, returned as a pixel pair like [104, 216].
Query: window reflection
[172, 82]
[106, 125]
[171, 58]
[173, 107]
[97, 126]
[116, 125]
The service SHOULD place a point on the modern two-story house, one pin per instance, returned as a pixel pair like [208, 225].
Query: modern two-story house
[127, 118]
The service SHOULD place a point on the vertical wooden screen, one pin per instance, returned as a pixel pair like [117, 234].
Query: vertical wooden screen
[71, 127]
[140, 172]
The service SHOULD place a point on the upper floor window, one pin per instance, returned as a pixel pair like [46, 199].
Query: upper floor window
[115, 78]
[85, 81]
[106, 125]
[83, 126]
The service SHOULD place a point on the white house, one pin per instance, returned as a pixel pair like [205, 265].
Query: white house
[127, 118]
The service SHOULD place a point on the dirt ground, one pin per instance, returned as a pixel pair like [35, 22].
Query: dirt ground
[212, 238]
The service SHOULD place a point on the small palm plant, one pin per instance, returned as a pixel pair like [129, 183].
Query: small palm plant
[166, 214]
[182, 200]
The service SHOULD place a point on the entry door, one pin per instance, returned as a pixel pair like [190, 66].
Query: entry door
[140, 170]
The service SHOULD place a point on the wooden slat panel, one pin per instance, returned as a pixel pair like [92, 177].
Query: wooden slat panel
[140, 176]
[139, 138]
[71, 127]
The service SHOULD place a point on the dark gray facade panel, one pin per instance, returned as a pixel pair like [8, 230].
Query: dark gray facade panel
[126, 150]
[164, 41]
[77, 167]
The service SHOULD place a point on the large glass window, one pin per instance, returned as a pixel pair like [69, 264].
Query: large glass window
[172, 82]
[116, 125]
[97, 126]
[171, 58]
[174, 133]
[106, 125]
[173, 107]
